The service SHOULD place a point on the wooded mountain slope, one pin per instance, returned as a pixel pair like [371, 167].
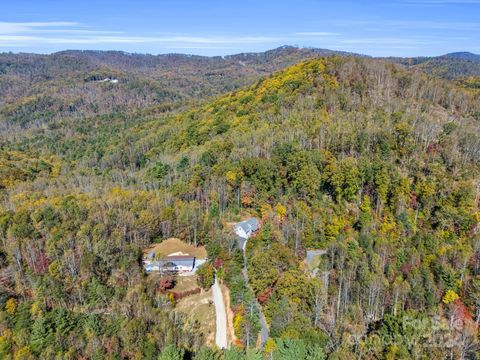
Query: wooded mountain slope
[39, 88]
[376, 164]
[66, 84]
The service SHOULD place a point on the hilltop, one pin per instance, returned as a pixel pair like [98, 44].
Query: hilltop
[449, 66]
[465, 55]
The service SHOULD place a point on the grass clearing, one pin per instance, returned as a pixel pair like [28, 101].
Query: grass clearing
[185, 283]
[173, 245]
[197, 307]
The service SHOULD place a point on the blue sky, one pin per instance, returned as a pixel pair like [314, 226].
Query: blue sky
[214, 27]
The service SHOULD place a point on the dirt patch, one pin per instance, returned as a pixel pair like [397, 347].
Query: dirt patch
[232, 339]
[173, 245]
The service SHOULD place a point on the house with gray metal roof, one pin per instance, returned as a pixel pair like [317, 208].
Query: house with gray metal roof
[172, 263]
[246, 228]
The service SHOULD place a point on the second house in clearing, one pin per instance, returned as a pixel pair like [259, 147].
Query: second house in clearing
[246, 228]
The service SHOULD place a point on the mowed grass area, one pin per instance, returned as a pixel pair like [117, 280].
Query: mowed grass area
[185, 283]
[173, 245]
[197, 307]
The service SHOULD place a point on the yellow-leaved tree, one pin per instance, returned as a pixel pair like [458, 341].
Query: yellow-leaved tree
[450, 296]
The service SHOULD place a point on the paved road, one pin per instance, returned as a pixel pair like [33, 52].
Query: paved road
[221, 317]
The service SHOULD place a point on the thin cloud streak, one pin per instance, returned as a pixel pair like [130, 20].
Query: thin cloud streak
[76, 32]
[407, 24]
[63, 34]
[441, 2]
[22, 40]
[35, 33]
[22, 27]
[318, 33]
[399, 41]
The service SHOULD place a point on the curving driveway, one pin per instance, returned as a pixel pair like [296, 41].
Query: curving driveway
[221, 316]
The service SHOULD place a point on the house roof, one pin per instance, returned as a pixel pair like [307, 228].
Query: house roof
[249, 224]
[167, 264]
[179, 257]
[171, 261]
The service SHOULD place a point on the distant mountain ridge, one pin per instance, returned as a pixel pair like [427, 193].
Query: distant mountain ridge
[64, 84]
[463, 56]
[35, 87]
[451, 65]
[106, 55]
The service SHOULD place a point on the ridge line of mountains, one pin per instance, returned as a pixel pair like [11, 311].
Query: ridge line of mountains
[38, 88]
[284, 55]
[459, 55]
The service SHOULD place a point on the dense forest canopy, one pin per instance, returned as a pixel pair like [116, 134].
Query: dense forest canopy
[374, 163]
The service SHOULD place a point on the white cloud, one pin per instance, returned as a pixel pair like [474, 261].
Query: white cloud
[316, 33]
[75, 31]
[65, 34]
[393, 41]
[28, 34]
[410, 24]
[24, 27]
[214, 39]
[21, 40]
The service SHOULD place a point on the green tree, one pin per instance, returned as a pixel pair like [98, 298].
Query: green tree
[206, 353]
[159, 170]
[171, 352]
[206, 276]
[42, 334]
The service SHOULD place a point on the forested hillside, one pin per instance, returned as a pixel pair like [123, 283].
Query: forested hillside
[374, 163]
[39, 89]
[449, 66]
[69, 83]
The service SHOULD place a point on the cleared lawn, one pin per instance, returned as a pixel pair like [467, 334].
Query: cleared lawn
[185, 283]
[173, 245]
[197, 307]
